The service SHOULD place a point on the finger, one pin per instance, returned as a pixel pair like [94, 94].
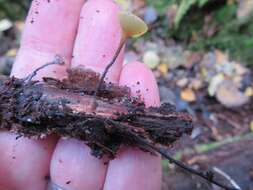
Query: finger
[134, 169]
[50, 30]
[98, 35]
[98, 38]
[73, 167]
[24, 163]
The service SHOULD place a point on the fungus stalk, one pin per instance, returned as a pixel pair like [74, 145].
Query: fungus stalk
[132, 26]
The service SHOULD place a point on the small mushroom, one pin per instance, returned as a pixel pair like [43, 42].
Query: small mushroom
[132, 25]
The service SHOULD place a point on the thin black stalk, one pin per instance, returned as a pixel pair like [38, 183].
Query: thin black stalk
[121, 45]
[57, 61]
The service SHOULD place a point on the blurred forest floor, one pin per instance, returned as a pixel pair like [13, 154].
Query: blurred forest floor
[201, 52]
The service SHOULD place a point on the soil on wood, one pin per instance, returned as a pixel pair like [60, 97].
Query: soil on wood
[36, 109]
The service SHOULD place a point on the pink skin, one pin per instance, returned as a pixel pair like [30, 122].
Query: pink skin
[134, 169]
[25, 163]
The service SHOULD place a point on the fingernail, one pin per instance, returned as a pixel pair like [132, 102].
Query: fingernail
[53, 186]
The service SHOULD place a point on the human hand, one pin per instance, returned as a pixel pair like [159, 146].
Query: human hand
[85, 34]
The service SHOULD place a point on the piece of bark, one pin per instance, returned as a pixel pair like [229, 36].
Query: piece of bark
[36, 109]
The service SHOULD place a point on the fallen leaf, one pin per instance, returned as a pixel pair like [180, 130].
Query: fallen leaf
[163, 68]
[229, 95]
[188, 95]
[248, 92]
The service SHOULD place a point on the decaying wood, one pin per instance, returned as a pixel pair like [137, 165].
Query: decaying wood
[37, 109]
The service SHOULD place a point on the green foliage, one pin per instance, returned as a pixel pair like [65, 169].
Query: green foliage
[201, 3]
[13, 9]
[185, 6]
[231, 34]
[161, 5]
[226, 15]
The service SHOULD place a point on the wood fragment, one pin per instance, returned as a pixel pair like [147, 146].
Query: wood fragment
[36, 109]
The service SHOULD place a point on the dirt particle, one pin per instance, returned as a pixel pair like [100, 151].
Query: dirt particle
[138, 91]
[68, 182]
[103, 55]
[98, 11]
[60, 161]
[147, 89]
[138, 83]
[18, 137]
[47, 177]
[13, 157]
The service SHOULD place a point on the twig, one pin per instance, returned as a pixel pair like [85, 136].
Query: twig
[226, 176]
[227, 119]
[205, 175]
[58, 60]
